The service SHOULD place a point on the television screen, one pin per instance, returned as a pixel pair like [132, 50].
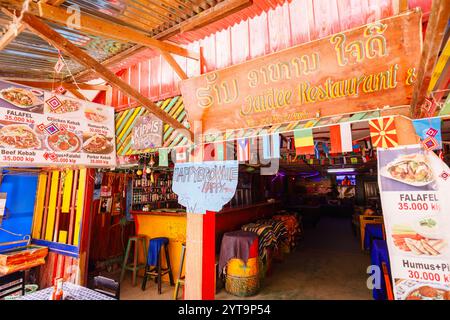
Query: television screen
[346, 180]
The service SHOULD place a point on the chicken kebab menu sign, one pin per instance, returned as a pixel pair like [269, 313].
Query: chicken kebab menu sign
[39, 128]
[415, 189]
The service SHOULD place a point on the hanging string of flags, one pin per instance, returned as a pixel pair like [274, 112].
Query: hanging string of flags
[303, 147]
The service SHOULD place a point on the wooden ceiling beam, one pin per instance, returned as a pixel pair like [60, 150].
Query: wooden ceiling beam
[61, 43]
[437, 24]
[10, 35]
[77, 94]
[208, 16]
[13, 32]
[108, 30]
[46, 85]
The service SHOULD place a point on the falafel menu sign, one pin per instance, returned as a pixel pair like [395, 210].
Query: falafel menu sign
[40, 129]
[415, 186]
[203, 186]
[360, 69]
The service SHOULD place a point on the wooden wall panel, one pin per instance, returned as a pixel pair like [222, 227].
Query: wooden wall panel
[282, 24]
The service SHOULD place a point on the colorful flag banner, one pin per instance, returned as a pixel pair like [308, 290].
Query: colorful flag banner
[316, 149]
[356, 148]
[304, 142]
[326, 150]
[430, 132]
[163, 157]
[230, 153]
[219, 151]
[275, 145]
[181, 155]
[383, 132]
[208, 151]
[243, 149]
[341, 138]
[266, 147]
[253, 151]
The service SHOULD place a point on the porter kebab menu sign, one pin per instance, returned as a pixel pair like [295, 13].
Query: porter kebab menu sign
[415, 195]
[39, 128]
[203, 186]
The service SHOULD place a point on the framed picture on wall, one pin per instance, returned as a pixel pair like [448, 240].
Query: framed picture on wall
[117, 204]
[105, 205]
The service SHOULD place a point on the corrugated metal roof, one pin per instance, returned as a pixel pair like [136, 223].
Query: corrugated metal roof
[28, 56]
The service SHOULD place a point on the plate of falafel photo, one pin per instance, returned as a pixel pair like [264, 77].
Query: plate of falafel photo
[413, 290]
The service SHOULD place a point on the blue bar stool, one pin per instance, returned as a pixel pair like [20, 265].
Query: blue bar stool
[154, 267]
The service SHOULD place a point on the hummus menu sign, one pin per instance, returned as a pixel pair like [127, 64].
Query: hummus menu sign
[39, 128]
[415, 188]
[203, 186]
[360, 69]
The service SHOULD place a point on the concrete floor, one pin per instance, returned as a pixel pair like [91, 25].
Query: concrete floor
[328, 264]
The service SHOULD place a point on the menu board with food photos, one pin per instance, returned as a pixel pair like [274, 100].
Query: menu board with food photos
[39, 128]
[415, 187]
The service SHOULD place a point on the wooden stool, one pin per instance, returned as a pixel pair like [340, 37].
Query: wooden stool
[180, 280]
[154, 259]
[135, 267]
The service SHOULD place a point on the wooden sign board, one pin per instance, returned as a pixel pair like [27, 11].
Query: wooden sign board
[147, 132]
[364, 68]
[205, 186]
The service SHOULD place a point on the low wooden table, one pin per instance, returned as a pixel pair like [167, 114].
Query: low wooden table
[71, 292]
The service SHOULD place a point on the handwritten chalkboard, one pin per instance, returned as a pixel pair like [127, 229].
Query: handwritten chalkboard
[205, 186]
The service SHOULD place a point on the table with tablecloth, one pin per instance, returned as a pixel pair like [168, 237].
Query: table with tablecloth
[71, 292]
[372, 231]
[379, 254]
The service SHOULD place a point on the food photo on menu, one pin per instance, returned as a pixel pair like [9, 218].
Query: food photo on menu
[61, 105]
[423, 238]
[407, 170]
[97, 143]
[96, 114]
[19, 136]
[21, 98]
[415, 290]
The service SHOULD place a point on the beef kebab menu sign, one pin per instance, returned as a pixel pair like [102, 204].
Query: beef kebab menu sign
[203, 186]
[415, 189]
[364, 68]
[39, 128]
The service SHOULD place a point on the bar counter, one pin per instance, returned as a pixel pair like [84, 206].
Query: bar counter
[172, 225]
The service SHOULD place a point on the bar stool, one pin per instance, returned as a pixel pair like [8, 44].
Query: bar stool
[180, 279]
[154, 259]
[135, 266]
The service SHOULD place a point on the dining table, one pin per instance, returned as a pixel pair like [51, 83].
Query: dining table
[70, 292]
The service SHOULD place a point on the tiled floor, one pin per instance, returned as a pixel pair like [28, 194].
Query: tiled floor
[328, 264]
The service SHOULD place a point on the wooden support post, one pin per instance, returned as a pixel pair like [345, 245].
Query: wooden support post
[209, 256]
[437, 24]
[58, 41]
[194, 260]
[406, 134]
